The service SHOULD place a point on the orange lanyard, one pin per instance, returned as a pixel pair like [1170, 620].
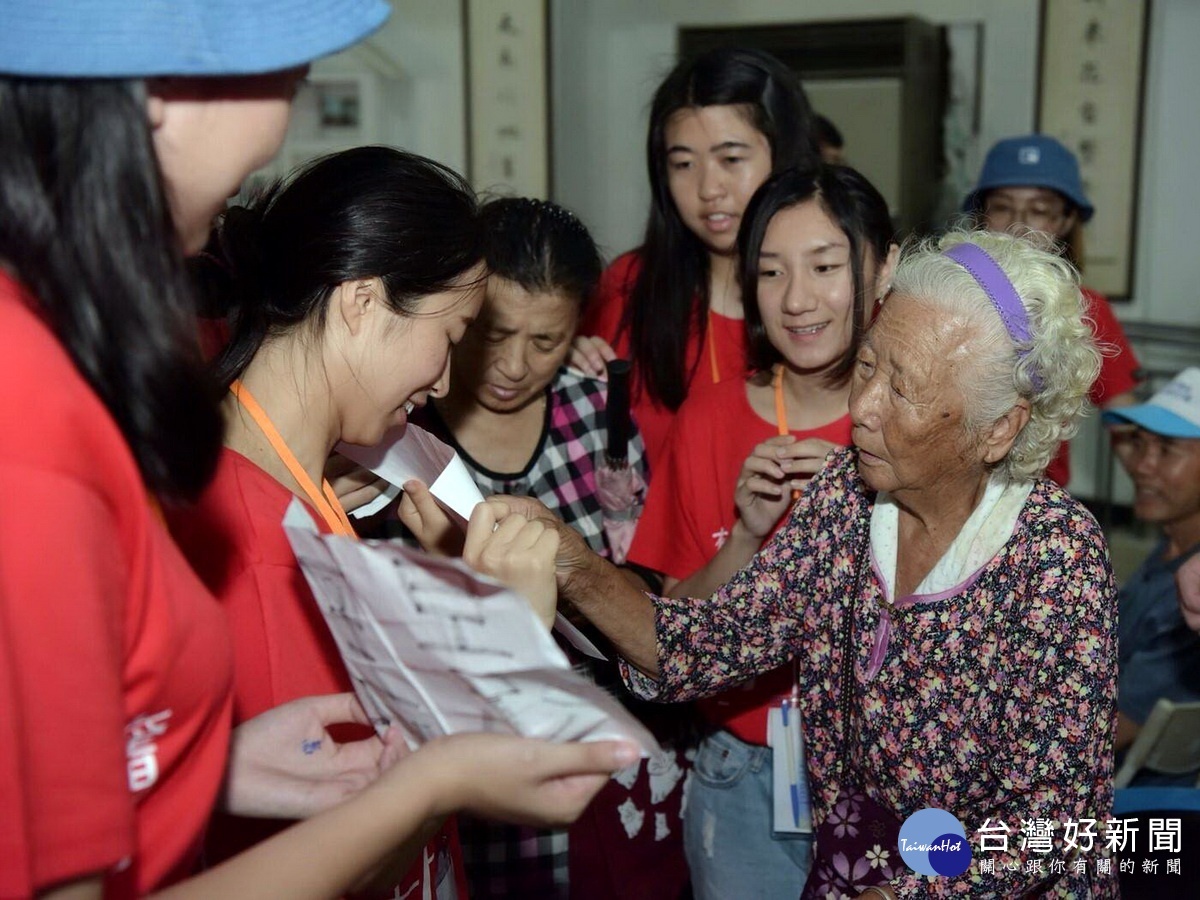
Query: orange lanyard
[780, 406]
[328, 506]
[781, 410]
[712, 349]
[156, 508]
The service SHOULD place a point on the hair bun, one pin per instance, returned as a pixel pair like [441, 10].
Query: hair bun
[240, 246]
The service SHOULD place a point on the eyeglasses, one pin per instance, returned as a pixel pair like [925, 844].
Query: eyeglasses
[1039, 215]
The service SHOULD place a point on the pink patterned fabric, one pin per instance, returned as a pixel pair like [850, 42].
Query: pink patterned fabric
[997, 702]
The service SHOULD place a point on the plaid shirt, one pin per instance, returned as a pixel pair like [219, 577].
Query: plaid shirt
[502, 860]
[509, 861]
[562, 472]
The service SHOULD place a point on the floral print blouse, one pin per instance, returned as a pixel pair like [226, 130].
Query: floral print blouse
[995, 702]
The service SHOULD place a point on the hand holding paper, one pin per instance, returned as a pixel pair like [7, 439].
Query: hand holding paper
[524, 781]
[432, 526]
[517, 552]
[435, 648]
[411, 454]
[360, 491]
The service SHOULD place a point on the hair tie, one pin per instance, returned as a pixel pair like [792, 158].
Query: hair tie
[1003, 296]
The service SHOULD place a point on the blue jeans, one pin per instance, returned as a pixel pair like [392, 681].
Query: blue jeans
[732, 849]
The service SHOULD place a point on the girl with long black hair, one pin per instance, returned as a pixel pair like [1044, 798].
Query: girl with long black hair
[815, 255]
[720, 123]
[350, 284]
[124, 126]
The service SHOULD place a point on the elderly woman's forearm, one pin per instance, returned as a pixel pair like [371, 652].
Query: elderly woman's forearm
[623, 614]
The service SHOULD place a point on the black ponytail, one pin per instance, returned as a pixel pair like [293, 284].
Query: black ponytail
[370, 212]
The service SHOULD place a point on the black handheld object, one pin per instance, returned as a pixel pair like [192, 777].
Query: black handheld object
[619, 424]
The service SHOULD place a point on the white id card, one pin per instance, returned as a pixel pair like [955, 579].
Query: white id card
[793, 808]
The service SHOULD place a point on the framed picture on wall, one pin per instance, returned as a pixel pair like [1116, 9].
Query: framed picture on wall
[1090, 98]
[508, 108]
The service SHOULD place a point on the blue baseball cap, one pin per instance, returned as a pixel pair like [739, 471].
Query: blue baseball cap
[1035, 160]
[145, 38]
[1172, 412]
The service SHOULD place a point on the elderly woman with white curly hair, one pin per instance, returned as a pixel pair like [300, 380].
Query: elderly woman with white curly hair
[950, 611]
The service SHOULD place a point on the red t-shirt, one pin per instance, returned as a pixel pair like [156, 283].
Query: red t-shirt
[603, 320]
[282, 647]
[114, 660]
[690, 510]
[1118, 371]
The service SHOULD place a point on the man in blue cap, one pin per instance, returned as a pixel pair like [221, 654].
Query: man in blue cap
[1033, 182]
[1159, 654]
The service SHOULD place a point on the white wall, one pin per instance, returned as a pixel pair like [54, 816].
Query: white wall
[418, 56]
[1167, 278]
[609, 56]
[1167, 275]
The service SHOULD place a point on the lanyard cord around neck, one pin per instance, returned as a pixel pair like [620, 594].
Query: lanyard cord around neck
[711, 340]
[327, 503]
[780, 406]
[781, 410]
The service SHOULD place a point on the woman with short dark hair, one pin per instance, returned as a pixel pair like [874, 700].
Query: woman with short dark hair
[524, 423]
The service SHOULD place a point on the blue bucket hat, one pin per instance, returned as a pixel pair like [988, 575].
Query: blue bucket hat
[144, 38]
[1173, 412]
[1035, 160]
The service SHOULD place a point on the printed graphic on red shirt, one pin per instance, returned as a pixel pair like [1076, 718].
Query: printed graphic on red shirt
[141, 749]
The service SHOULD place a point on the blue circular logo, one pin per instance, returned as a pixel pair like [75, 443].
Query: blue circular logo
[934, 842]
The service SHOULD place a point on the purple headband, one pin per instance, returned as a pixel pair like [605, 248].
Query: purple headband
[989, 276]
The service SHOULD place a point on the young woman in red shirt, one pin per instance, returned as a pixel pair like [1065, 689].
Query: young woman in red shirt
[720, 123]
[816, 255]
[123, 130]
[350, 283]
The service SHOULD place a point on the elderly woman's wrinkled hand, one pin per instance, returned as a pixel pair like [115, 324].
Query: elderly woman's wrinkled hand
[574, 554]
[773, 471]
[516, 551]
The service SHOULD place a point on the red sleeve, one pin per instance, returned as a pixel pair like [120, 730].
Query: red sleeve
[668, 537]
[603, 315]
[1119, 365]
[62, 586]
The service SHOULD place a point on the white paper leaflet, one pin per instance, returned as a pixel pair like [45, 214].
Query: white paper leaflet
[408, 452]
[437, 649]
